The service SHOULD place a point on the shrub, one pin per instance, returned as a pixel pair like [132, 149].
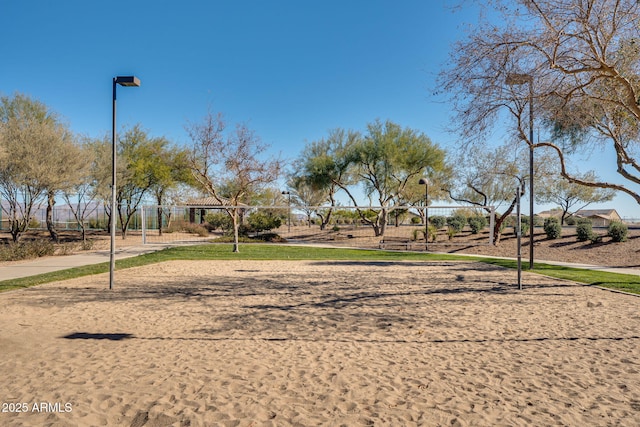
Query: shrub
[571, 220]
[433, 233]
[584, 229]
[553, 228]
[618, 231]
[595, 238]
[456, 223]
[217, 220]
[26, 250]
[437, 221]
[261, 221]
[451, 232]
[187, 227]
[98, 224]
[524, 225]
[477, 223]
[87, 245]
[415, 220]
[271, 237]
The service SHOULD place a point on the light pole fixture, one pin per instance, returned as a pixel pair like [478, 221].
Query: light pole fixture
[425, 182]
[288, 193]
[519, 236]
[122, 81]
[520, 79]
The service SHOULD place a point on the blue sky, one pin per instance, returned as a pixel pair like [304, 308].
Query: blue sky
[291, 69]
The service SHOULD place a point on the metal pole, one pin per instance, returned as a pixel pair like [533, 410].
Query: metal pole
[289, 211]
[519, 235]
[531, 193]
[143, 225]
[112, 254]
[426, 216]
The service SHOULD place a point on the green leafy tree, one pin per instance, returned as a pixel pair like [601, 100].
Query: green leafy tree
[142, 165]
[326, 168]
[40, 159]
[169, 169]
[385, 161]
[570, 196]
[388, 159]
[307, 196]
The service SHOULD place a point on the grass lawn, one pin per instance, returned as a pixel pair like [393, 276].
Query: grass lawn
[623, 282]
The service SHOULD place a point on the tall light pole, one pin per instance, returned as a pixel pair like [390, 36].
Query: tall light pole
[122, 81]
[425, 182]
[288, 193]
[520, 79]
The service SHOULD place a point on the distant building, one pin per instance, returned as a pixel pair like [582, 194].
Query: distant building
[198, 208]
[557, 213]
[600, 217]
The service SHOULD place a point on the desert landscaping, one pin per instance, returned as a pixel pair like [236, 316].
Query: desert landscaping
[253, 343]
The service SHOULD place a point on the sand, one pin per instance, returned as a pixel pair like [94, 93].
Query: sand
[319, 343]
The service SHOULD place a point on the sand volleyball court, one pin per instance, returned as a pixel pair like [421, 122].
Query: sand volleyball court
[256, 343]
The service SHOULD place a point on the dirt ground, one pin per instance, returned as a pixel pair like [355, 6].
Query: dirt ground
[565, 249]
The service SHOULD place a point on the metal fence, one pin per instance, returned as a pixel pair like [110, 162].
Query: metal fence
[404, 226]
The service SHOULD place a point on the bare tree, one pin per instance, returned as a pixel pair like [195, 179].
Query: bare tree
[81, 196]
[581, 57]
[229, 167]
[489, 177]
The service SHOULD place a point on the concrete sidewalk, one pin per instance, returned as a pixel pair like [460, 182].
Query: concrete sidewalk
[56, 263]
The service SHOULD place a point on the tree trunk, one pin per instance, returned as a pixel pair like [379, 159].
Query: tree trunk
[15, 231]
[51, 201]
[159, 220]
[236, 237]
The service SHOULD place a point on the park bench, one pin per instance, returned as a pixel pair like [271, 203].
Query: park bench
[395, 241]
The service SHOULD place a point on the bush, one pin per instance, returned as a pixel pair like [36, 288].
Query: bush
[584, 229]
[261, 221]
[456, 223]
[524, 225]
[217, 220]
[433, 233]
[618, 231]
[477, 223]
[415, 220]
[98, 224]
[26, 250]
[187, 227]
[553, 228]
[437, 221]
[571, 220]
